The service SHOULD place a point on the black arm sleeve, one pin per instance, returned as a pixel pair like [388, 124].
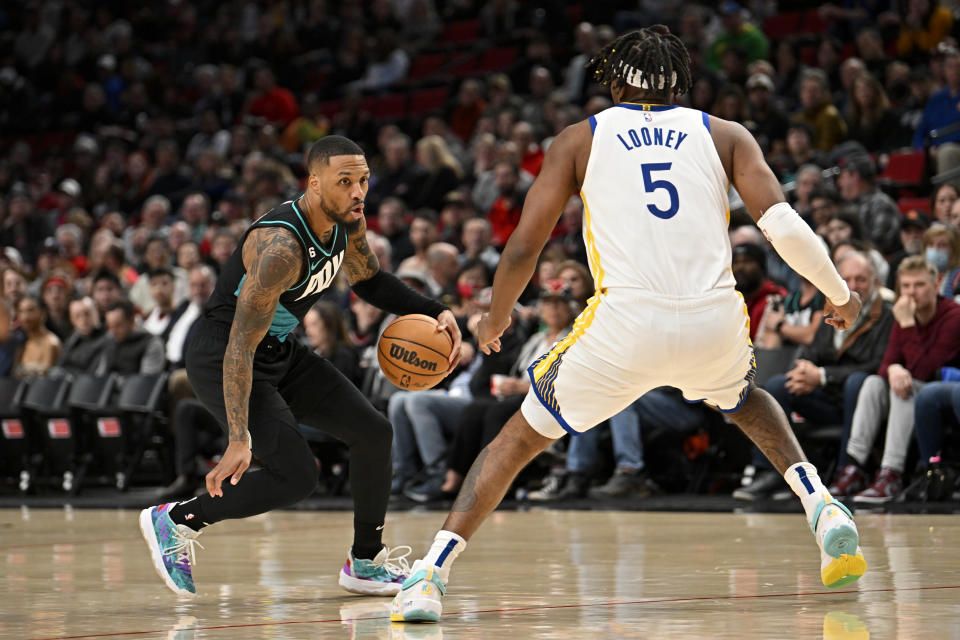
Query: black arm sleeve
[388, 292]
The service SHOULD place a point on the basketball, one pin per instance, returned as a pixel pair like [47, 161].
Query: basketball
[413, 355]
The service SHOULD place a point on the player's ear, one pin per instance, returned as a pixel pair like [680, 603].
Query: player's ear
[616, 90]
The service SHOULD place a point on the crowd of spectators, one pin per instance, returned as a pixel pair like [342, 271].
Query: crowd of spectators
[139, 142]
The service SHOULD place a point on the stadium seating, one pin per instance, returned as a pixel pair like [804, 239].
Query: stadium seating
[14, 442]
[47, 417]
[143, 420]
[905, 169]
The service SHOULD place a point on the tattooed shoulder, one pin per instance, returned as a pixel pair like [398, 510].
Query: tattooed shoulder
[273, 258]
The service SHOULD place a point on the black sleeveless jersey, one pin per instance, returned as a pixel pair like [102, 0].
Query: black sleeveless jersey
[321, 262]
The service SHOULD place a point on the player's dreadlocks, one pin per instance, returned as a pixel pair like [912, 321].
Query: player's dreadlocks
[652, 59]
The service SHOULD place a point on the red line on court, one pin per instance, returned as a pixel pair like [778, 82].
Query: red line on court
[514, 610]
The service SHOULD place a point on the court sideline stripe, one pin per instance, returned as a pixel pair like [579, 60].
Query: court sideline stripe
[581, 605]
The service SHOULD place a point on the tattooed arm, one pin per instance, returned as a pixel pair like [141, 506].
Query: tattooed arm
[384, 290]
[273, 259]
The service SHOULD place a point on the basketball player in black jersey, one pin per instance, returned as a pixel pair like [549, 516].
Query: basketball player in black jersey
[260, 383]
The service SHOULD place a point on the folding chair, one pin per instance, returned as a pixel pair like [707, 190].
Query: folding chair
[143, 421]
[93, 422]
[14, 441]
[45, 410]
[771, 362]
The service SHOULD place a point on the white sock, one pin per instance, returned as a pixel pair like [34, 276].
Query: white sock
[446, 546]
[805, 482]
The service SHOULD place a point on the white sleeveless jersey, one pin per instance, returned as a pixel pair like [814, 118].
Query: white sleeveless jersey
[655, 202]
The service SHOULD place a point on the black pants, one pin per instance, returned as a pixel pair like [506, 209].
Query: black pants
[292, 385]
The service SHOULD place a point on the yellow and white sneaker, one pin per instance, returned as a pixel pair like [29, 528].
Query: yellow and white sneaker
[841, 561]
[419, 597]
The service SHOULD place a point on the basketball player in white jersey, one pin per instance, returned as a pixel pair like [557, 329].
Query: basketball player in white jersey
[654, 179]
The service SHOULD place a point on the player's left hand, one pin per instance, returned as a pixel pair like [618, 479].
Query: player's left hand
[447, 322]
[842, 317]
[489, 331]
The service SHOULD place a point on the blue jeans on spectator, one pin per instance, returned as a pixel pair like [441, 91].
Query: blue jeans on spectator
[817, 408]
[405, 458]
[654, 409]
[423, 425]
[933, 401]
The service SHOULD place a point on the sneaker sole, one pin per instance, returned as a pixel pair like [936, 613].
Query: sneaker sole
[415, 615]
[367, 587]
[150, 537]
[843, 570]
[872, 500]
[840, 540]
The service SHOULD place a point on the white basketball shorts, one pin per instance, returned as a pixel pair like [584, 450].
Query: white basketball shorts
[627, 342]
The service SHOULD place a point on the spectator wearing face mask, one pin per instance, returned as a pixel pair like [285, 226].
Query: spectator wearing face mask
[941, 246]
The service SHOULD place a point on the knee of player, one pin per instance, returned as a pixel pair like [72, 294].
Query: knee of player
[303, 475]
[379, 430]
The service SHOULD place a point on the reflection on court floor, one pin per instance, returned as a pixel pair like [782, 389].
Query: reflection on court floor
[539, 574]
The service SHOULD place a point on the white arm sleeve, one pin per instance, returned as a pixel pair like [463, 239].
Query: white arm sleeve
[800, 247]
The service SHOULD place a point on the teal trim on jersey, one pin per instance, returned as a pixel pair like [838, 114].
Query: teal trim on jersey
[240, 284]
[316, 241]
[306, 256]
[283, 321]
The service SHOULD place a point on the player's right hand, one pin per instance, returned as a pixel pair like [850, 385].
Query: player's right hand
[844, 316]
[489, 331]
[235, 460]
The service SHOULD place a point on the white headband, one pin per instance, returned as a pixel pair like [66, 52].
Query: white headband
[634, 77]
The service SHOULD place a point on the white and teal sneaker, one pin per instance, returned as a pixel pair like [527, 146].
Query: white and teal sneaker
[381, 576]
[419, 597]
[841, 561]
[171, 548]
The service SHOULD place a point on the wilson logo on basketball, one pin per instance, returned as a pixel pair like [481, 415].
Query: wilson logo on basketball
[410, 357]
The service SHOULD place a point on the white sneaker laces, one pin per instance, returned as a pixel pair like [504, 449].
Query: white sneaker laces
[184, 548]
[397, 564]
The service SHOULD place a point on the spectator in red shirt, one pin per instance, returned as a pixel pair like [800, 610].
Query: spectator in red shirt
[70, 238]
[924, 338]
[531, 155]
[750, 272]
[505, 212]
[276, 104]
[470, 106]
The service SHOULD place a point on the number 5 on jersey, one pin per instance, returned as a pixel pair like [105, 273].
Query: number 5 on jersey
[651, 185]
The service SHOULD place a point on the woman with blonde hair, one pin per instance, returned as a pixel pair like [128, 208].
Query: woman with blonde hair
[442, 172]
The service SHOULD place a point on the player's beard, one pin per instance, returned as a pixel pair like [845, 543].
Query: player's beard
[344, 216]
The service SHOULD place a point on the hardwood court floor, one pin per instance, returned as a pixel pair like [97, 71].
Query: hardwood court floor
[537, 574]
